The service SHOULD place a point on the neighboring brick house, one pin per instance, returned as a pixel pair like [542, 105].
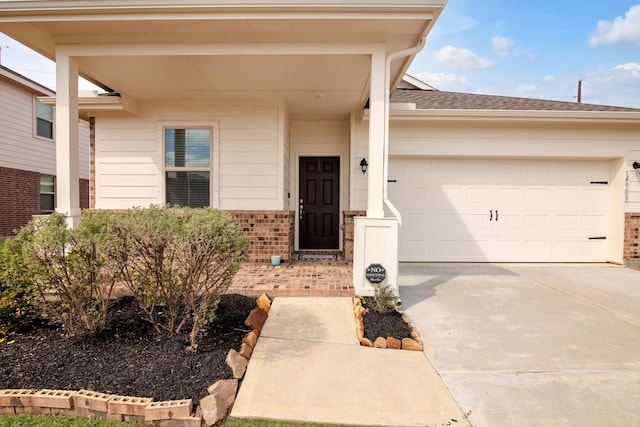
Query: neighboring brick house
[28, 153]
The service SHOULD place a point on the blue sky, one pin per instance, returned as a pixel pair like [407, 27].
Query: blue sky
[536, 50]
[501, 47]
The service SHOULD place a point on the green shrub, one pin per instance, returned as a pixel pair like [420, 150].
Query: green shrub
[68, 267]
[177, 262]
[385, 298]
[18, 306]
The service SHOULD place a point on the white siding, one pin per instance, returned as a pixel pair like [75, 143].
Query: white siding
[632, 181]
[321, 138]
[287, 196]
[83, 154]
[129, 155]
[19, 147]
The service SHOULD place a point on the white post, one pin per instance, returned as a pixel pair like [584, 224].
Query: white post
[376, 237]
[67, 174]
[375, 170]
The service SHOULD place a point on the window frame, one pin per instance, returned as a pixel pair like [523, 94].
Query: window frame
[49, 193]
[213, 157]
[35, 121]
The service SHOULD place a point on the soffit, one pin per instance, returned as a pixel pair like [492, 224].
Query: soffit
[308, 84]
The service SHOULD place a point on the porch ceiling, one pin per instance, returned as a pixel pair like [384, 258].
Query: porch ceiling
[320, 82]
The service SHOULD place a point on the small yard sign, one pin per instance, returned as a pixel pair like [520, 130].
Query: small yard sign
[375, 273]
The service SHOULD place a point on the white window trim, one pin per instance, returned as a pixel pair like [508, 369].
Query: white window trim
[35, 122]
[40, 192]
[214, 163]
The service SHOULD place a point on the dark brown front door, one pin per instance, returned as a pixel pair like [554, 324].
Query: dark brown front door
[318, 205]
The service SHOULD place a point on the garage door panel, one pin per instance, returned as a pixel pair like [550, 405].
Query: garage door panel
[536, 223]
[548, 209]
[509, 196]
[594, 224]
[509, 222]
[595, 197]
[536, 197]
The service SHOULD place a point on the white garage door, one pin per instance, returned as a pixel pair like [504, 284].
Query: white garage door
[501, 210]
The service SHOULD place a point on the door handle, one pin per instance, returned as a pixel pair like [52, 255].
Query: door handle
[496, 214]
[490, 215]
[301, 208]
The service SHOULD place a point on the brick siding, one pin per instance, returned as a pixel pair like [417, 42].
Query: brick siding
[632, 236]
[347, 236]
[84, 193]
[19, 199]
[271, 233]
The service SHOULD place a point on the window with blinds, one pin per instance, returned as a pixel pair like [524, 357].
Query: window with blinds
[187, 158]
[44, 120]
[47, 193]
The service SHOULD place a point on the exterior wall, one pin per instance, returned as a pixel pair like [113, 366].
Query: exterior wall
[320, 138]
[632, 237]
[20, 148]
[271, 233]
[84, 194]
[246, 156]
[19, 198]
[25, 156]
[620, 143]
[349, 230]
[92, 163]
[287, 164]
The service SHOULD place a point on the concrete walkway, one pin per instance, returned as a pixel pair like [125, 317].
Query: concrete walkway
[532, 345]
[308, 366]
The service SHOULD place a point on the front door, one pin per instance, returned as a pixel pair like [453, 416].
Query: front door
[318, 205]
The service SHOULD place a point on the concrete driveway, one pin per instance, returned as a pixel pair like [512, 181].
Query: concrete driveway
[523, 345]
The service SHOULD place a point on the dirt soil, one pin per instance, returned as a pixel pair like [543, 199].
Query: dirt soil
[383, 325]
[128, 357]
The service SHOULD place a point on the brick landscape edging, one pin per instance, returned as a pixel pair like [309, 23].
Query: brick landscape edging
[139, 410]
[412, 344]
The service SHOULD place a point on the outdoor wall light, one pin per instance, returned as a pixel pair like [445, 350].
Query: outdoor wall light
[364, 164]
[636, 165]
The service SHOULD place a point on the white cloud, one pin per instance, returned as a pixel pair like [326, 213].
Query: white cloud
[549, 79]
[630, 69]
[456, 58]
[444, 81]
[502, 46]
[620, 30]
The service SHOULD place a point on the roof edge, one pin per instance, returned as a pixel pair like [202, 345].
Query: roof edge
[25, 81]
[453, 115]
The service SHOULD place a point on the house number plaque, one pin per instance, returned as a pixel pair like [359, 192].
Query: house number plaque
[375, 273]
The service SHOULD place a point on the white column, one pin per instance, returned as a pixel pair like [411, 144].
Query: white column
[67, 174]
[375, 170]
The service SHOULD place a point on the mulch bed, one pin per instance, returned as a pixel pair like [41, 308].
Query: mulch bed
[383, 324]
[128, 357]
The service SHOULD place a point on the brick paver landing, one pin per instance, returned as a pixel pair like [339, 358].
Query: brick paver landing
[295, 278]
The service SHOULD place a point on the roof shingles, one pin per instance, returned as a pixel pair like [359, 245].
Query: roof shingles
[440, 100]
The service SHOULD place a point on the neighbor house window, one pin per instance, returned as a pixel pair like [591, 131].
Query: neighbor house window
[47, 193]
[187, 159]
[44, 120]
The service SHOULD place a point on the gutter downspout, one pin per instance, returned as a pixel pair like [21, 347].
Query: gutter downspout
[387, 91]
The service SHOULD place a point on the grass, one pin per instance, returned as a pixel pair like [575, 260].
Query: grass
[43, 421]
